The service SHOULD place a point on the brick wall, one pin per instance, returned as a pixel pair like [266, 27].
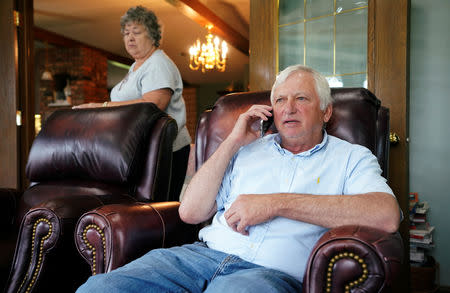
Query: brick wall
[85, 70]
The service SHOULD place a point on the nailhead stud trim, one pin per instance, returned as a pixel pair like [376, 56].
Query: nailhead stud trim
[41, 250]
[91, 247]
[355, 283]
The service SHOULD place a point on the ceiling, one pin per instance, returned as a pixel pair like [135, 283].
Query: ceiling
[96, 23]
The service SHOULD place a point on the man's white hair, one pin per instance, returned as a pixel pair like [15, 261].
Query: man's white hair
[321, 83]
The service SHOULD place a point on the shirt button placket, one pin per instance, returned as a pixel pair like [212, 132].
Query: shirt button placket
[285, 173]
[296, 171]
[291, 169]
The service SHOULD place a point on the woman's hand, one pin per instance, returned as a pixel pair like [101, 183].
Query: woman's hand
[89, 105]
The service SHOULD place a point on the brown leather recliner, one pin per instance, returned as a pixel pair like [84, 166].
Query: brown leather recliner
[351, 257]
[80, 160]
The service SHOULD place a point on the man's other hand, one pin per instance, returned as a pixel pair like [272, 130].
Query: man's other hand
[249, 210]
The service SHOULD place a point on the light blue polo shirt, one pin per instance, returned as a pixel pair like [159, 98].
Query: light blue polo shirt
[333, 167]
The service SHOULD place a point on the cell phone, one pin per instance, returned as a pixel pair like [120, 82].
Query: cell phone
[265, 125]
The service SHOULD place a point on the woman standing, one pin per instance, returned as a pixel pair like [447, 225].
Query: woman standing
[153, 77]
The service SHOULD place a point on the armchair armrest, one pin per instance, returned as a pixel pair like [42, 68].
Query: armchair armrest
[354, 257]
[46, 245]
[113, 235]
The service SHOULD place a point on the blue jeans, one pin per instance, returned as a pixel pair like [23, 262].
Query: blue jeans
[191, 268]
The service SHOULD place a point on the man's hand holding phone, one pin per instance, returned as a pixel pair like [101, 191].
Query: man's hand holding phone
[243, 133]
[265, 124]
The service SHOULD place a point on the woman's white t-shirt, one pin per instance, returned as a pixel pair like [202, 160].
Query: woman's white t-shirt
[157, 72]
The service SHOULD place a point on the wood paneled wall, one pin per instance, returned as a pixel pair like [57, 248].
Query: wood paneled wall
[16, 91]
[25, 83]
[8, 93]
[263, 43]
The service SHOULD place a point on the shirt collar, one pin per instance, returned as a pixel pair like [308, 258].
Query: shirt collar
[277, 140]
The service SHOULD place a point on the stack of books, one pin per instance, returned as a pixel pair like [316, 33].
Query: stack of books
[420, 231]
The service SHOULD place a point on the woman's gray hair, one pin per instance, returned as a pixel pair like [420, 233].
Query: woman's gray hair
[147, 18]
[321, 83]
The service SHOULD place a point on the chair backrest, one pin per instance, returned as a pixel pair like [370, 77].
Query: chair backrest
[98, 151]
[358, 117]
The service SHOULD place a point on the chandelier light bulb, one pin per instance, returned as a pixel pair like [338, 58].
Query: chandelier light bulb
[224, 50]
[209, 55]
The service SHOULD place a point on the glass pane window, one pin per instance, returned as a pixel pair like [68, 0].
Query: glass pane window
[319, 45]
[354, 80]
[291, 44]
[342, 5]
[327, 35]
[290, 11]
[318, 8]
[351, 42]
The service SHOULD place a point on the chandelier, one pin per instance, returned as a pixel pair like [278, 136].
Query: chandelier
[209, 55]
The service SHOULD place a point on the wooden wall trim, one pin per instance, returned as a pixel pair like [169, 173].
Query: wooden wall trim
[26, 86]
[263, 43]
[8, 96]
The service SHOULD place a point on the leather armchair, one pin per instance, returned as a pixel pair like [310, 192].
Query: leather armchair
[80, 160]
[348, 258]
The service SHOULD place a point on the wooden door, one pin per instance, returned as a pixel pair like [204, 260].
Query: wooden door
[388, 79]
